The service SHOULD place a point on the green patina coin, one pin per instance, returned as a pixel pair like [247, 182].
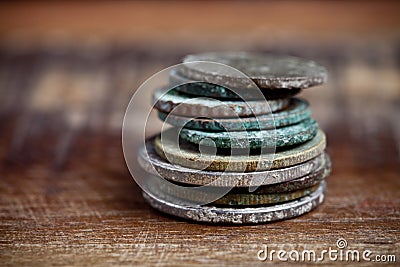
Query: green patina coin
[281, 137]
[258, 197]
[235, 215]
[184, 155]
[152, 163]
[263, 199]
[213, 90]
[185, 105]
[266, 70]
[297, 111]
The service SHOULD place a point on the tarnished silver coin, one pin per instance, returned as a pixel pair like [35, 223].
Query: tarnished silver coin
[306, 181]
[213, 90]
[185, 155]
[266, 70]
[151, 162]
[212, 214]
[272, 193]
[185, 105]
[297, 111]
[190, 194]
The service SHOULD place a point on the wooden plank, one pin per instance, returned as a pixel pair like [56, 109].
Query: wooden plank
[66, 197]
[187, 22]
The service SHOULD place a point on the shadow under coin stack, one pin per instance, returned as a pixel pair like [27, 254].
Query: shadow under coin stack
[291, 183]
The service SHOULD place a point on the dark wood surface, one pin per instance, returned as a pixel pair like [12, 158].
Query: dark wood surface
[66, 196]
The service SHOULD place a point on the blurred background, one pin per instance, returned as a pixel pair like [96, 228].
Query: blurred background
[69, 68]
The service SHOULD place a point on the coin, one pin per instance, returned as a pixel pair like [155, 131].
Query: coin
[151, 162]
[281, 137]
[185, 105]
[266, 70]
[303, 182]
[213, 90]
[297, 111]
[212, 214]
[190, 194]
[186, 156]
[186, 192]
[232, 199]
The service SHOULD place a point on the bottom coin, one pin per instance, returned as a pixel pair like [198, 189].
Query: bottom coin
[212, 214]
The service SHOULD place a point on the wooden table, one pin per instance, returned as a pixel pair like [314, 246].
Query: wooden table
[67, 198]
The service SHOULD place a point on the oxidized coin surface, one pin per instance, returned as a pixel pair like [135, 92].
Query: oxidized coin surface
[232, 198]
[151, 162]
[281, 137]
[248, 199]
[297, 111]
[213, 90]
[266, 70]
[306, 181]
[266, 191]
[185, 105]
[189, 192]
[212, 214]
[185, 155]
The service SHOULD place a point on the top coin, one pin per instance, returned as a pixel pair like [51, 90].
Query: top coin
[266, 70]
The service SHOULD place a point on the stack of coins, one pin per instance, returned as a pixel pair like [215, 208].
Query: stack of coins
[222, 141]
